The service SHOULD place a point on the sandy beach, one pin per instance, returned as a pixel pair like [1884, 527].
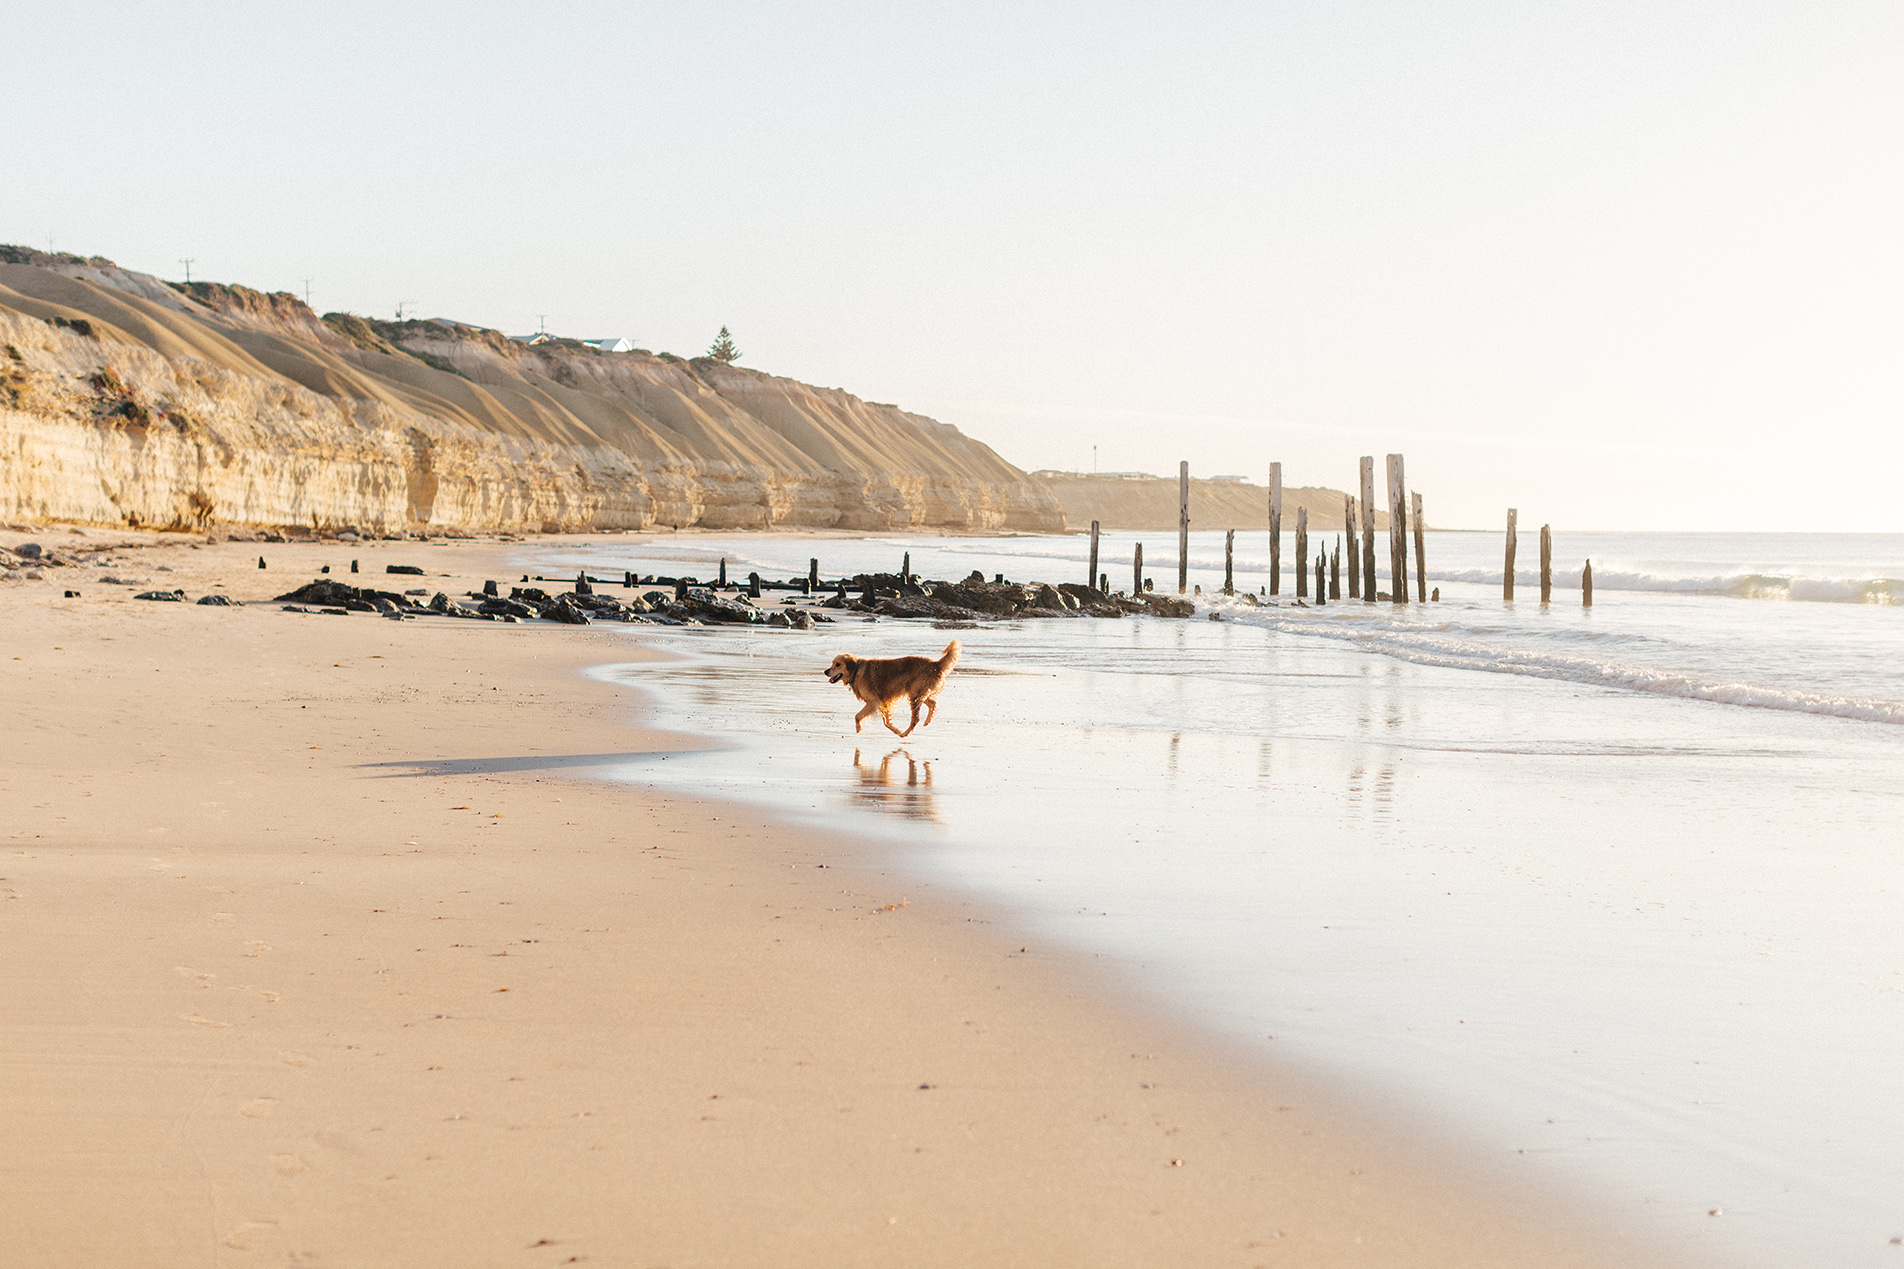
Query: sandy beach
[328, 950]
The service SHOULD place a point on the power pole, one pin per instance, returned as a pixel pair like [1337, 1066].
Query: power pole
[542, 323]
[400, 305]
[307, 293]
[187, 262]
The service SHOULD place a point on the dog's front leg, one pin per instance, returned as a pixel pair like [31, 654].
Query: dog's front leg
[859, 719]
[885, 716]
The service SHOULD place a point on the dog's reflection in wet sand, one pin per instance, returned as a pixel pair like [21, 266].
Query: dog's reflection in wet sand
[882, 787]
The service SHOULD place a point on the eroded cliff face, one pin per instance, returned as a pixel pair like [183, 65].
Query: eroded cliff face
[124, 400]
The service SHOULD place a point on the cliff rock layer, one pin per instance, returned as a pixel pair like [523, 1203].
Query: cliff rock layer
[127, 400]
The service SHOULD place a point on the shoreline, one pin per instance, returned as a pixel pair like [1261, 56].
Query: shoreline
[287, 998]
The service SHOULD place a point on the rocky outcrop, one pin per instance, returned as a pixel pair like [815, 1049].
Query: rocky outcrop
[126, 400]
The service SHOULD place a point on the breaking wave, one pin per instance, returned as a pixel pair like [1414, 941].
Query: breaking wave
[1452, 649]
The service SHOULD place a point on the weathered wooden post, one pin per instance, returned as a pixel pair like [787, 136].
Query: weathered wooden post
[1586, 585]
[1137, 570]
[1368, 528]
[1183, 527]
[1335, 571]
[1507, 573]
[813, 574]
[1229, 561]
[1275, 529]
[723, 582]
[1546, 564]
[1321, 598]
[1302, 552]
[1348, 529]
[1421, 554]
[353, 566]
[627, 579]
[1090, 578]
[261, 561]
[905, 569]
[681, 590]
[1397, 531]
[753, 585]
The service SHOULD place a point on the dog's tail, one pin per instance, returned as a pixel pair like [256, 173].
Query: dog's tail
[947, 659]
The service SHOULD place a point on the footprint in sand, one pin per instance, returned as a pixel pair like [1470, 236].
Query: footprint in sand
[186, 971]
[221, 916]
[258, 1107]
[293, 1058]
[288, 1165]
[250, 1235]
[257, 947]
[271, 996]
[197, 1021]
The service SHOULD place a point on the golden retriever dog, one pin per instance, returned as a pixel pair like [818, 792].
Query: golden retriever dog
[883, 682]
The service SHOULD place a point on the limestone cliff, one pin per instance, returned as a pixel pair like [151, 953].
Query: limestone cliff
[1150, 502]
[127, 400]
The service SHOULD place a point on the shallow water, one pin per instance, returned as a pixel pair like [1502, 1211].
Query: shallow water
[1524, 871]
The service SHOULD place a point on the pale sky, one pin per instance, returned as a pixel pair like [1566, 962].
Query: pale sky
[1620, 265]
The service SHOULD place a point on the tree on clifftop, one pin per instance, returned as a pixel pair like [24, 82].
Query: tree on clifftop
[723, 349]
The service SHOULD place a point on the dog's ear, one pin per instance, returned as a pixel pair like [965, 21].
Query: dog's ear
[849, 668]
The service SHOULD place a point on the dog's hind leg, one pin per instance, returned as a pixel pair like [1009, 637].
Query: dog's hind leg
[914, 724]
[932, 709]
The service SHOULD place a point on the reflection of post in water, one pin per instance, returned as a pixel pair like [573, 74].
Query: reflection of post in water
[881, 788]
[1170, 763]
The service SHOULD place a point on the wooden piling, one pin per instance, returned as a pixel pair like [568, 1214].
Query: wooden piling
[753, 585]
[723, 582]
[1229, 561]
[1137, 569]
[1302, 552]
[353, 566]
[1546, 564]
[1104, 583]
[1368, 528]
[1321, 598]
[813, 574]
[1586, 585]
[1348, 529]
[1335, 571]
[1090, 578]
[1183, 527]
[1275, 528]
[905, 569]
[1421, 554]
[1397, 531]
[1507, 572]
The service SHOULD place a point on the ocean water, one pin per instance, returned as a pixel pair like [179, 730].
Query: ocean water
[1612, 896]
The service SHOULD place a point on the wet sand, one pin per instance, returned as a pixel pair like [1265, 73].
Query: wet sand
[326, 948]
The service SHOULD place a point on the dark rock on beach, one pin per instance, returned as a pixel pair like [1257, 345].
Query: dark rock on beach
[219, 601]
[342, 595]
[162, 596]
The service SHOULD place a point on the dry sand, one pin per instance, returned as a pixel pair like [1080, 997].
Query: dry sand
[325, 948]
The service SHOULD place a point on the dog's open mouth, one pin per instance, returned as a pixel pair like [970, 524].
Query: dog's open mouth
[834, 676]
